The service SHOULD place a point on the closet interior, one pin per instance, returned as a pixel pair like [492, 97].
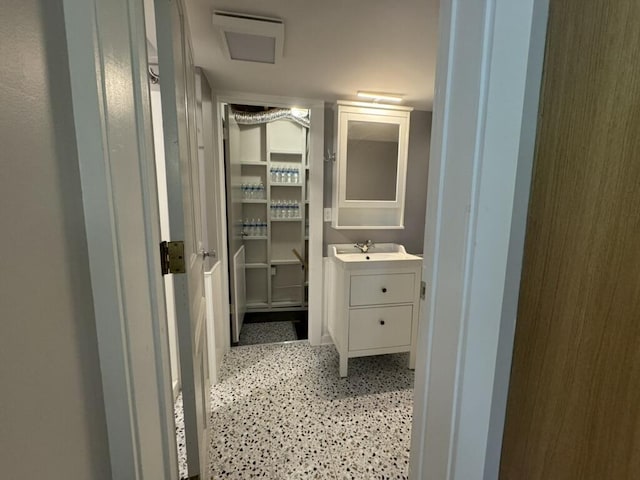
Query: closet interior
[267, 185]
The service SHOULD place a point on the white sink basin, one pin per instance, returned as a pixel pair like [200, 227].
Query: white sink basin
[385, 252]
[375, 256]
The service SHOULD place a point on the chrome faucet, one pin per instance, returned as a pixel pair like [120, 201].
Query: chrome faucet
[364, 246]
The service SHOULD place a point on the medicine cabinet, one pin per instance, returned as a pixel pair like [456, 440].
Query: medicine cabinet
[371, 165]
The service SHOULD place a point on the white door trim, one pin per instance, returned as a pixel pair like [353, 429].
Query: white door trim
[487, 88]
[107, 58]
[486, 104]
[316, 190]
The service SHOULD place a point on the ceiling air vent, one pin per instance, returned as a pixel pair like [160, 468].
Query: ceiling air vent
[250, 38]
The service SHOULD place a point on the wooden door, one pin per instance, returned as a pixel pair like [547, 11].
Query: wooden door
[177, 88]
[574, 400]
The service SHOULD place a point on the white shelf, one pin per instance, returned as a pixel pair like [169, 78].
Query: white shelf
[286, 262]
[282, 304]
[257, 163]
[258, 305]
[261, 147]
[285, 151]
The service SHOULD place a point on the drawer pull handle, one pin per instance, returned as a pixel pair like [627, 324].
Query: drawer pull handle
[384, 289]
[381, 322]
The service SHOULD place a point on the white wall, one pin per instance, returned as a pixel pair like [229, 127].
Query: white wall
[52, 422]
[213, 222]
[417, 170]
[163, 203]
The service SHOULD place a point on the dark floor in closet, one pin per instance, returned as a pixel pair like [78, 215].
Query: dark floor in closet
[273, 327]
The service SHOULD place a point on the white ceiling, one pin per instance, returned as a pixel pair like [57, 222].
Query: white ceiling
[332, 48]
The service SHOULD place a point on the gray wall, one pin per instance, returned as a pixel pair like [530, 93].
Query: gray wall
[52, 422]
[416, 196]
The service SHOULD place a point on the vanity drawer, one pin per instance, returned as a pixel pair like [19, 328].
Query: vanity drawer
[381, 289]
[381, 327]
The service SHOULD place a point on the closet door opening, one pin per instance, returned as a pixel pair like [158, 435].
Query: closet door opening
[267, 181]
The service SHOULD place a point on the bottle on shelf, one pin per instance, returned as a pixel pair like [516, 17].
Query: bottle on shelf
[261, 195]
[296, 176]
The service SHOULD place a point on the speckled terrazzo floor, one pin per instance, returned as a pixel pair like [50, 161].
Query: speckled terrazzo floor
[267, 332]
[282, 412]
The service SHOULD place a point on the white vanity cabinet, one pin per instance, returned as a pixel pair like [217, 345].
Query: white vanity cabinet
[374, 303]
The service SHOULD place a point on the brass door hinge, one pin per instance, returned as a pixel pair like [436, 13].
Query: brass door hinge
[423, 290]
[172, 257]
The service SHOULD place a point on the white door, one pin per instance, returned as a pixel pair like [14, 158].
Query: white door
[177, 87]
[234, 227]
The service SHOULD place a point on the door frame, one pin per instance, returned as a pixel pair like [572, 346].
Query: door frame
[106, 43]
[490, 61]
[316, 190]
[487, 90]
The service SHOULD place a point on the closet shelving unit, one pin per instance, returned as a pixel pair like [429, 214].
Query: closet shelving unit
[275, 278]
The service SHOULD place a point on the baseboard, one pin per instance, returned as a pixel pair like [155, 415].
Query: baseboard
[326, 340]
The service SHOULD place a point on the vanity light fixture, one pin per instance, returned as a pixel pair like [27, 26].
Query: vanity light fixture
[380, 96]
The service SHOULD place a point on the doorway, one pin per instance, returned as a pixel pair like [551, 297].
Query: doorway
[104, 356]
[267, 167]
